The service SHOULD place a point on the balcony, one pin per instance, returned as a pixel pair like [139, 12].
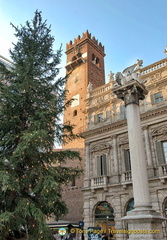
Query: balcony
[126, 178]
[162, 172]
[99, 182]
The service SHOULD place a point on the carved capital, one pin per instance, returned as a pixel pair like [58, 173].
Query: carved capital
[114, 136]
[145, 127]
[131, 92]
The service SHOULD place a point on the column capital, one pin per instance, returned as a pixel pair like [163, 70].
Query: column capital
[131, 92]
[87, 144]
[113, 136]
[145, 127]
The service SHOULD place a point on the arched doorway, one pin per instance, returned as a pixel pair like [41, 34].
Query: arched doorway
[104, 217]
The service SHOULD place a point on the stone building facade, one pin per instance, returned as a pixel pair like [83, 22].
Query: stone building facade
[108, 193]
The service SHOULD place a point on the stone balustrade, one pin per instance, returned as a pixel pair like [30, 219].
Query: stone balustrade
[163, 170]
[99, 181]
[153, 67]
[100, 90]
[126, 176]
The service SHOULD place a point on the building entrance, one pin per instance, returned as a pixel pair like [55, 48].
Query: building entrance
[104, 218]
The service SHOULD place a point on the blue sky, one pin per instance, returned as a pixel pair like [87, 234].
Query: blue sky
[128, 29]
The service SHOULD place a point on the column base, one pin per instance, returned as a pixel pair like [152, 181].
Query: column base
[144, 224]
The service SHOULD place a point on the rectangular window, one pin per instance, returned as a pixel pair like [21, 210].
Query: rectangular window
[101, 165]
[161, 148]
[157, 98]
[73, 183]
[127, 160]
[99, 118]
[164, 147]
[122, 112]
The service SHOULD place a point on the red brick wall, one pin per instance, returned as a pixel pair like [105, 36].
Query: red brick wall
[73, 196]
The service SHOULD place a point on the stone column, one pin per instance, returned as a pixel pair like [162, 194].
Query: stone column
[148, 152]
[87, 165]
[143, 217]
[115, 153]
[115, 173]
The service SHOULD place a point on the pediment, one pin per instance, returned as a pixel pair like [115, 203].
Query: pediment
[123, 140]
[162, 130]
[100, 147]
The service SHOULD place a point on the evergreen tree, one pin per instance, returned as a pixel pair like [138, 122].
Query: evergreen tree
[32, 100]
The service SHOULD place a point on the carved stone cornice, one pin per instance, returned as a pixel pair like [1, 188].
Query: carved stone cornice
[106, 128]
[131, 92]
[153, 113]
[161, 111]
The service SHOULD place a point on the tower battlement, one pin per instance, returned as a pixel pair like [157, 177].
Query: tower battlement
[79, 39]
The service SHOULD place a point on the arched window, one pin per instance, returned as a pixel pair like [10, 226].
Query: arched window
[79, 55]
[104, 216]
[97, 61]
[165, 207]
[93, 57]
[130, 205]
[75, 113]
[73, 58]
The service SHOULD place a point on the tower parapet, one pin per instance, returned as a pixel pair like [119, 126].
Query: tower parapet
[80, 39]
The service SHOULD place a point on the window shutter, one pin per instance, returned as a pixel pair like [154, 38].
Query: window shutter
[122, 112]
[108, 114]
[98, 166]
[104, 164]
[127, 160]
[160, 154]
[95, 118]
[152, 98]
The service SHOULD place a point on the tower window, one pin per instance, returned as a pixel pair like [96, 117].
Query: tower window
[73, 182]
[75, 113]
[93, 57]
[95, 60]
[73, 58]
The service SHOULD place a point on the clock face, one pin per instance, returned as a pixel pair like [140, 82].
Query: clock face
[76, 100]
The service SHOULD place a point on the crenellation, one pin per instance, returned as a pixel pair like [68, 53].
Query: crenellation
[85, 36]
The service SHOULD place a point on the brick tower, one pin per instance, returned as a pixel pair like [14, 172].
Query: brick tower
[85, 66]
[85, 63]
